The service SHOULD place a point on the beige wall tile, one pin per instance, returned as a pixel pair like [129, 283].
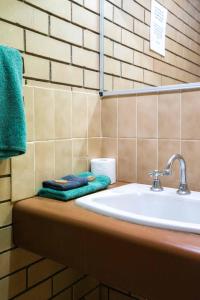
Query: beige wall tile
[127, 116]
[145, 3]
[190, 115]
[92, 5]
[4, 188]
[65, 295]
[91, 40]
[108, 82]
[79, 1]
[44, 162]
[5, 214]
[169, 81]
[112, 31]
[23, 174]
[108, 10]
[80, 155]
[44, 105]
[5, 240]
[132, 40]
[85, 18]
[166, 148]
[66, 31]
[36, 67]
[109, 117]
[42, 270]
[117, 2]
[94, 295]
[63, 158]
[47, 47]
[80, 165]
[94, 147]
[108, 47]
[83, 287]
[144, 61]
[80, 148]
[63, 114]
[25, 15]
[134, 9]
[94, 116]
[79, 115]
[85, 58]
[149, 52]
[62, 10]
[13, 260]
[5, 167]
[190, 151]
[152, 78]
[67, 74]
[121, 83]
[64, 279]
[123, 53]
[29, 110]
[112, 66]
[169, 116]
[12, 285]
[123, 19]
[109, 147]
[40, 292]
[91, 79]
[11, 35]
[127, 166]
[141, 29]
[146, 160]
[114, 295]
[139, 85]
[44, 84]
[132, 72]
[147, 116]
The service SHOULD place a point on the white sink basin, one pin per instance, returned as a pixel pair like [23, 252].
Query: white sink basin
[135, 203]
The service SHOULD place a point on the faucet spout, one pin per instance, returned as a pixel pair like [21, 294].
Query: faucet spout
[183, 187]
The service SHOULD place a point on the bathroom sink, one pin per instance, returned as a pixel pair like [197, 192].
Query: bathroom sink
[135, 203]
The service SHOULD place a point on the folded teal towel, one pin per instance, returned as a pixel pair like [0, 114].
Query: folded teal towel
[12, 117]
[100, 183]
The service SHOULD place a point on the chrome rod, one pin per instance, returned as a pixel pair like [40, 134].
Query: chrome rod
[151, 90]
[101, 48]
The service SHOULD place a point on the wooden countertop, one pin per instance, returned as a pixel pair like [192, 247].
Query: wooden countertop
[154, 263]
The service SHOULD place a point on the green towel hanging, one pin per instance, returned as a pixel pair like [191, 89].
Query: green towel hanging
[12, 116]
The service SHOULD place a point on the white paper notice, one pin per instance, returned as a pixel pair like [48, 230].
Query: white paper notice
[158, 27]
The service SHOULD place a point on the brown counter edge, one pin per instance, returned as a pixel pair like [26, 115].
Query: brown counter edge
[146, 261]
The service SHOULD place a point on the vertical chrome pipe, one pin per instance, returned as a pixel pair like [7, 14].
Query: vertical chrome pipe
[101, 48]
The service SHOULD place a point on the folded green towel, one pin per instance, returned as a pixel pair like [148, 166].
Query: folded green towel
[100, 183]
[12, 117]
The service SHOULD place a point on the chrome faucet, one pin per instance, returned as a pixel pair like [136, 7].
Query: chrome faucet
[156, 184]
[183, 187]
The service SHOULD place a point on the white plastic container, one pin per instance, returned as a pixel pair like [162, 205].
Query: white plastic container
[104, 166]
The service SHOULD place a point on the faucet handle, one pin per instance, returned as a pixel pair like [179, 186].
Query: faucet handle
[155, 174]
[156, 184]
